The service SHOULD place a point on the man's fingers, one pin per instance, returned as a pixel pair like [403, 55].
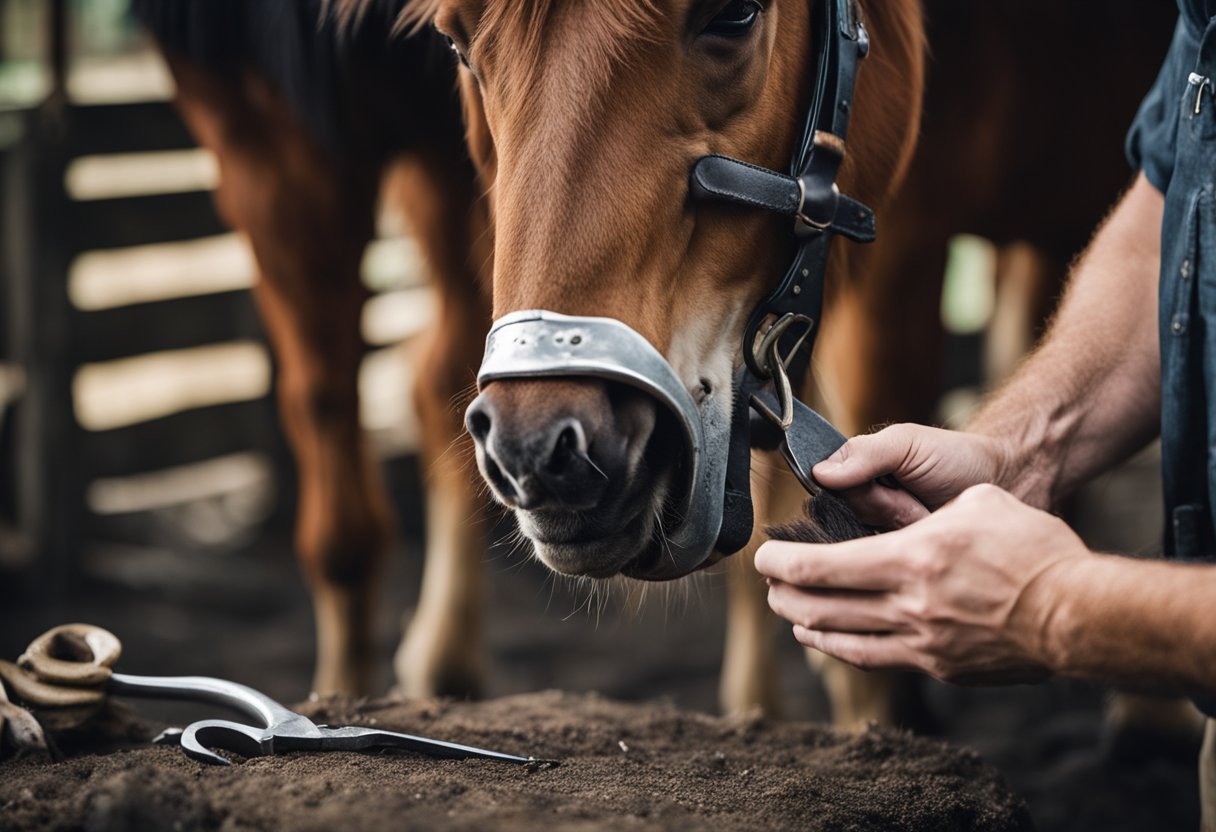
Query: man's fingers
[885, 508]
[868, 652]
[866, 458]
[868, 563]
[851, 612]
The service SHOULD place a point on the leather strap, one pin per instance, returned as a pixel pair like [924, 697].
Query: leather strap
[727, 179]
[721, 177]
[76, 655]
[809, 193]
[845, 43]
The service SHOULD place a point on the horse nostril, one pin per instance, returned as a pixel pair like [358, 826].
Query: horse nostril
[478, 422]
[565, 449]
[531, 463]
[496, 477]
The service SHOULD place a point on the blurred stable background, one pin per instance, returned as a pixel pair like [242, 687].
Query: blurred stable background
[144, 484]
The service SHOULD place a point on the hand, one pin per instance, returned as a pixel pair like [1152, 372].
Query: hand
[934, 465]
[967, 595]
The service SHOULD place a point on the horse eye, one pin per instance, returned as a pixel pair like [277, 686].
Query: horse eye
[735, 20]
[457, 52]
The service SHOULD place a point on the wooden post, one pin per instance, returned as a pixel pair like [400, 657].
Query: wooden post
[38, 251]
[57, 51]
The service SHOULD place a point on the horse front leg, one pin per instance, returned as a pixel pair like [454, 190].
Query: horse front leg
[750, 680]
[308, 214]
[343, 520]
[443, 652]
[881, 348]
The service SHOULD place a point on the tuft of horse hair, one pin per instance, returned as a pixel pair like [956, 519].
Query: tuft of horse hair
[828, 519]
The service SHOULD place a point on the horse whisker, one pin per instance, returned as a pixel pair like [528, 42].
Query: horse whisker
[579, 453]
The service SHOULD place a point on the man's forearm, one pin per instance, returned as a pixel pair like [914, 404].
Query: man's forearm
[1135, 623]
[1090, 394]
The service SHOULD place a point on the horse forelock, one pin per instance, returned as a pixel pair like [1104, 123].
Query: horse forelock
[610, 30]
[349, 14]
[415, 14]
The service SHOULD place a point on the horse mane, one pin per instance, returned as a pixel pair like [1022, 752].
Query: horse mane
[887, 115]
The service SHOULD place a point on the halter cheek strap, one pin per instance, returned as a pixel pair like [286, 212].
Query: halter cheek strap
[781, 330]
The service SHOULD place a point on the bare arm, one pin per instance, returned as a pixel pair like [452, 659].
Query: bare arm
[1090, 395]
[1142, 624]
[1085, 399]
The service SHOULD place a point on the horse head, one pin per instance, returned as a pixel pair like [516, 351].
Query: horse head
[584, 119]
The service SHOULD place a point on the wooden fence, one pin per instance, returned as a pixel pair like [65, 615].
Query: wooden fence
[51, 458]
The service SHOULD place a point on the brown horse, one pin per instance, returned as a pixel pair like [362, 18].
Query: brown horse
[306, 119]
[584, 120]
[303, 193]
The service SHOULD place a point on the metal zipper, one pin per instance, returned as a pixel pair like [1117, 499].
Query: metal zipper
[1200, 82]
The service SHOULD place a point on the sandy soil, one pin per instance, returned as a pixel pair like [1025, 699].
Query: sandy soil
[624, 766]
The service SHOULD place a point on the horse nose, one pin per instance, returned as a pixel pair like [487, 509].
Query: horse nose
[534, 466]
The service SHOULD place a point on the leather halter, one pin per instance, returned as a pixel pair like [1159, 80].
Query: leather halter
[781, 330]
[713, 509]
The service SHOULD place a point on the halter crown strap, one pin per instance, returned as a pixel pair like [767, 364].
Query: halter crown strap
[845, 43]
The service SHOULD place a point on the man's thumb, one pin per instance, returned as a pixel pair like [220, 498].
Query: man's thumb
[865, 458]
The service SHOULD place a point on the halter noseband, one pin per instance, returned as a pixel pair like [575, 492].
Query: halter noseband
[715, 508]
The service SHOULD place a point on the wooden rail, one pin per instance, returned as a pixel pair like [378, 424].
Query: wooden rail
[51, 458]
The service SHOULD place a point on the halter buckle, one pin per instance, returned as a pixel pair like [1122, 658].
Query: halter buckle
[805, 220]
[818, 194]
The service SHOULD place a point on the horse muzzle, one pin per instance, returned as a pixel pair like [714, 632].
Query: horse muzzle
[539, 344]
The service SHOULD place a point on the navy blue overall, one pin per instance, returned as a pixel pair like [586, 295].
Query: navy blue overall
[1173, 141]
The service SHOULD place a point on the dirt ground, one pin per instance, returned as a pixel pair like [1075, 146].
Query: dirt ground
[622, 766]
[244, 614]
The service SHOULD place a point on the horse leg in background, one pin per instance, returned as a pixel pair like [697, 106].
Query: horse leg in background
[443, 651]
[1028, 283]
[881, 348]
[308, 215]
[749, 682]
[881, 338]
